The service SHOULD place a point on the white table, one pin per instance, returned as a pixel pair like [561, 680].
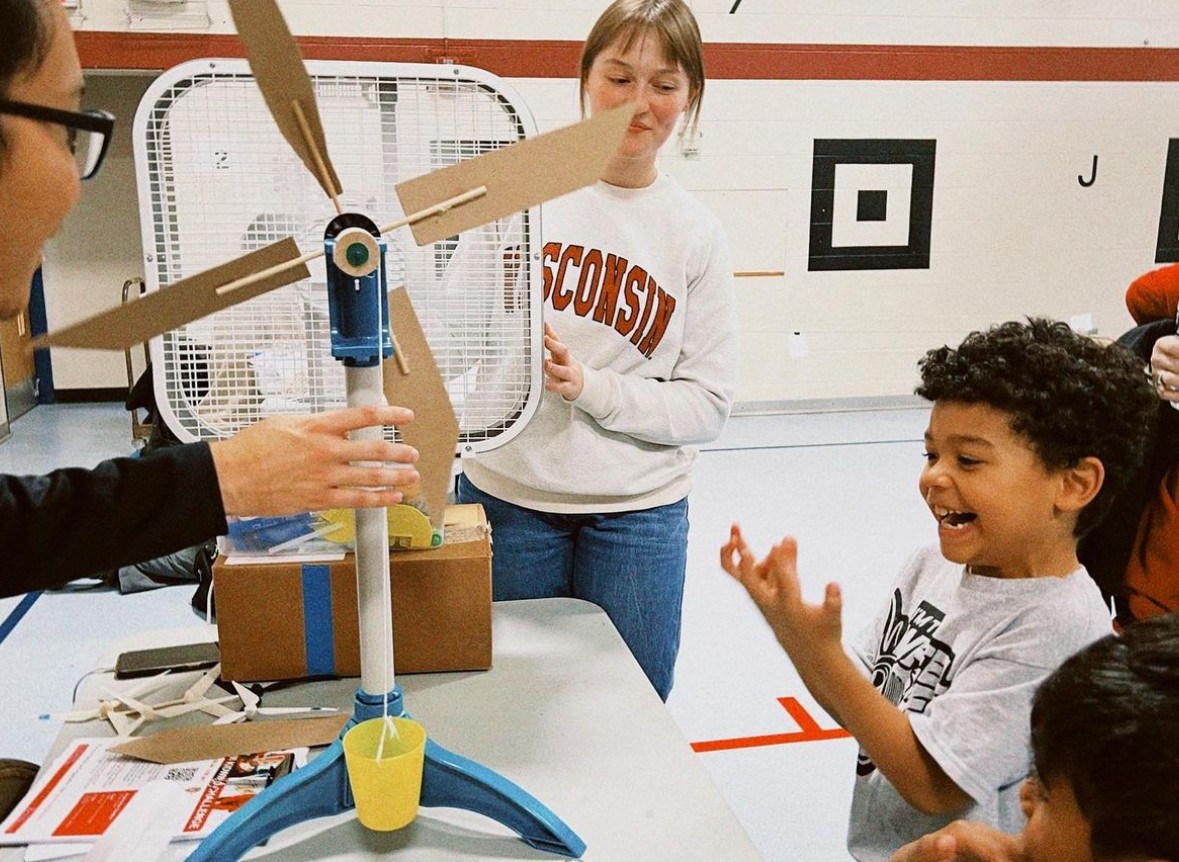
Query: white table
[565, 712]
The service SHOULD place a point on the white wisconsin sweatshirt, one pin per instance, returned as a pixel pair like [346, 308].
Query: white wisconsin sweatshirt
[638, 284]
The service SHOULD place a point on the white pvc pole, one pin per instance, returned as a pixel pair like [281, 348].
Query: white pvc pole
[365, 387]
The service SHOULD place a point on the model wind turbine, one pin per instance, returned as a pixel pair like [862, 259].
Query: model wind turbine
[377, 336]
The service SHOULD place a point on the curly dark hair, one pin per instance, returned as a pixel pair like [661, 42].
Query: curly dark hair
[1107, 722]
[1068, 395]
[28, 32]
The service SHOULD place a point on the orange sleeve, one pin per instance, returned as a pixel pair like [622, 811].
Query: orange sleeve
[1154, 295]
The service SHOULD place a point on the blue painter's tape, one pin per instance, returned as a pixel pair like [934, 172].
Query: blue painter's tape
[17, 614]
[317, 621]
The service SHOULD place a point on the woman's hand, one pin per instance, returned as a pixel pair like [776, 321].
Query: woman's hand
[1164, 367]
[562, 373]
[289, 464]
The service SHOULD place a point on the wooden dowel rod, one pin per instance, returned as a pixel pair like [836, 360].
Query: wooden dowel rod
[325, 177]
[263, 274]
[441, 207]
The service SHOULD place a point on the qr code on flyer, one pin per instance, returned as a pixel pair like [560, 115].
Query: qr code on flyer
[182, 774]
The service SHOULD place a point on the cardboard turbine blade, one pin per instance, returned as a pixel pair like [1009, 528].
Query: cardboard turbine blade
[183, 302]
[434, 431]
[517, 177]
[281, 76]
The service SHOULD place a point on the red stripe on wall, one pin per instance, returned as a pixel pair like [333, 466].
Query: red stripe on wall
[517, 58]
[506, 58]
[939, 63]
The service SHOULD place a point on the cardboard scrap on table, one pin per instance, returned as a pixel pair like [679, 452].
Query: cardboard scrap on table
[184, 745]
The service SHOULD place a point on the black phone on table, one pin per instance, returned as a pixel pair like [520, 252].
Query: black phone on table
[146, 662]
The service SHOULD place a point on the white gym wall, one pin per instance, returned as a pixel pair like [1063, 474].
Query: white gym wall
[1011, 228]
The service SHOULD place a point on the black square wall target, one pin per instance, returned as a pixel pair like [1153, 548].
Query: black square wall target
[871, 204]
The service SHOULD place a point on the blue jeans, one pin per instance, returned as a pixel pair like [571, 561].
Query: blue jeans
[631, 564]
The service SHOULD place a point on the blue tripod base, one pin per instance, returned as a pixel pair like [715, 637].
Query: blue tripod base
[321, 789]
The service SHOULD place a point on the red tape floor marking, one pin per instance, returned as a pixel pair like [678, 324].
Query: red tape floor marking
[809, 731]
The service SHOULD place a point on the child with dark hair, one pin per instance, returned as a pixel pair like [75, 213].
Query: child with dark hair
[1033, 430]
[1105, 742]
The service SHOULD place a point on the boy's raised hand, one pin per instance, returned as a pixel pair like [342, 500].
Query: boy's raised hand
[773, 585]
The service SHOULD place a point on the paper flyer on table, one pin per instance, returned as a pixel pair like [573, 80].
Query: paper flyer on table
[87, 788]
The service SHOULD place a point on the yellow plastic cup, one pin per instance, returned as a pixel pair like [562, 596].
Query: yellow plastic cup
[387, 790]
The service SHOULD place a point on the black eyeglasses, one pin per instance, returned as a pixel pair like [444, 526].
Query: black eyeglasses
[88, 133]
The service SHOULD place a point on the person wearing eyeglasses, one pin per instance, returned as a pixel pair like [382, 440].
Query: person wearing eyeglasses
[73, 523]
[88, 133]
[38, 148]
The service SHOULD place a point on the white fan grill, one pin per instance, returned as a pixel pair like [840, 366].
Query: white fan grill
[216, 180]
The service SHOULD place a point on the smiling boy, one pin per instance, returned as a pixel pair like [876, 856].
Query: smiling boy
[1033, 431]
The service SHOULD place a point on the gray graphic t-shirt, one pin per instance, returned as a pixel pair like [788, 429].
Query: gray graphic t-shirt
[963, 654]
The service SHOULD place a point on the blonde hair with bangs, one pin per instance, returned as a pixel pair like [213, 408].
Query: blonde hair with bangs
[679, 35]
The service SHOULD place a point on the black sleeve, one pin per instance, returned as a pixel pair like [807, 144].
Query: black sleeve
[1106, 549]
[74, 522]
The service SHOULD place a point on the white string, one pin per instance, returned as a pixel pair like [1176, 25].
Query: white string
[390, 728]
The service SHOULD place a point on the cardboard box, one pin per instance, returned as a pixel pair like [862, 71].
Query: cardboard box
[292, 620]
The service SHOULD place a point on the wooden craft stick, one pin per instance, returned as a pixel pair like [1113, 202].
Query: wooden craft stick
[438, 208]
[398, 353]
[310, 256]
[317, 157]
[263, 274]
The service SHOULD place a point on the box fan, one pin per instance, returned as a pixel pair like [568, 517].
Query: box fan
[216, 180]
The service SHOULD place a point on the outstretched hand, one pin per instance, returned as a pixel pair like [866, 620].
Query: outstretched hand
[562, 372]
[284, 465]
[773, 585]
[964, 841]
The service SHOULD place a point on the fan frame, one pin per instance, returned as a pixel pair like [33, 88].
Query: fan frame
[156, 234]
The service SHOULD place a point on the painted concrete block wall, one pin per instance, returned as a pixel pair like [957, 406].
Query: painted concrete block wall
[1013, 230]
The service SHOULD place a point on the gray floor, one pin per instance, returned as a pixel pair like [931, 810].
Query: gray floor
[843, 483]
[58, 639]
